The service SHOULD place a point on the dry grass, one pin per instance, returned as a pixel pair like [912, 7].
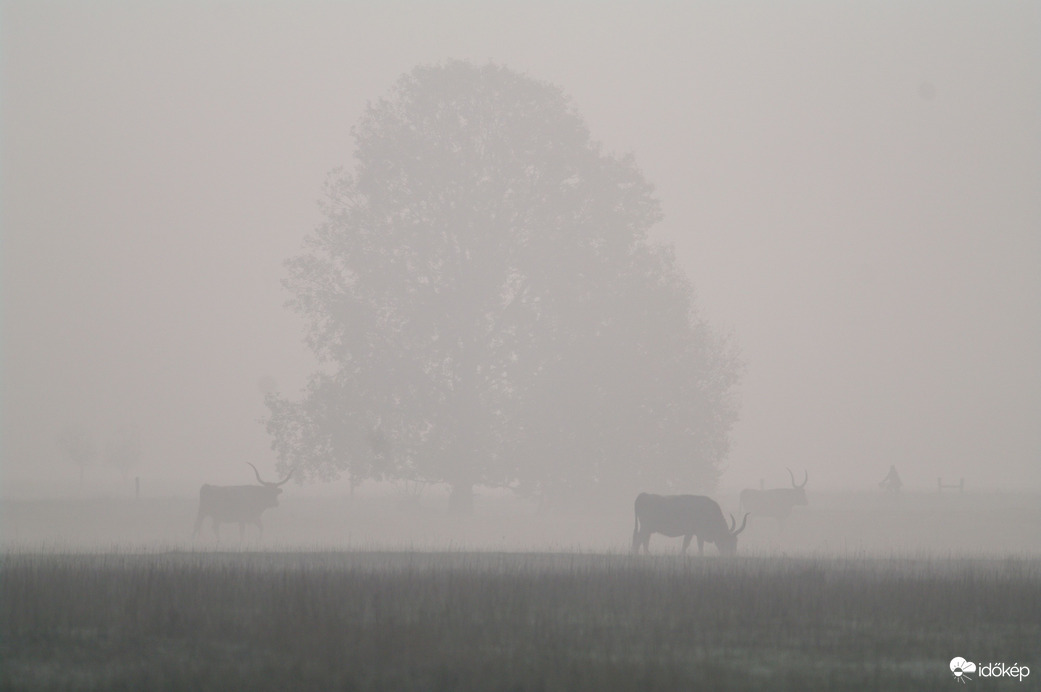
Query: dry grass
[509, 621]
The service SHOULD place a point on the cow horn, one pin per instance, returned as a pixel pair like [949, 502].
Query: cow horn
[806, 477]
[269, 483]
[743, 523]
[259, 479]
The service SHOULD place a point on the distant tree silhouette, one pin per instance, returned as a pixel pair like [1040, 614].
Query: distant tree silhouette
[123, 449]
[77, 446]
[488, 310]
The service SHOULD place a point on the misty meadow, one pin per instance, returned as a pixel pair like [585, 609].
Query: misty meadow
[858, 592]
[529, 346]
[446, 621]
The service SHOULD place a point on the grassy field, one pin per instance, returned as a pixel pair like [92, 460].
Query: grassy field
[346, 620]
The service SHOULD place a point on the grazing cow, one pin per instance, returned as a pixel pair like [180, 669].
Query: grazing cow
[776, 503]
[687, 516]
[239, 504]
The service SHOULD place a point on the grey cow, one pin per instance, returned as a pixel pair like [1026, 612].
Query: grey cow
[777, 503]
[241, 504]
[687, 516]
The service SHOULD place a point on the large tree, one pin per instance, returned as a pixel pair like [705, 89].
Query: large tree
[488, 308]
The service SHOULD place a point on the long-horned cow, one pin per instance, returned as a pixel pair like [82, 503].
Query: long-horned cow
[241, 504]
[776, 503]
[687, 516]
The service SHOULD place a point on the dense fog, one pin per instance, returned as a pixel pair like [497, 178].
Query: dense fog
[848, 195]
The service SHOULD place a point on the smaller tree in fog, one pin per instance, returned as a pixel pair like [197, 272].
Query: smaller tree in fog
[123, 450]
[77, 446]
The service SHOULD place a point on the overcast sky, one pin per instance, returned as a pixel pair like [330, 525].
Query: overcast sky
[854, 189]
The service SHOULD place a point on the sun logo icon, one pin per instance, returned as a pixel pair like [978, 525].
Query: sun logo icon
[961, 668]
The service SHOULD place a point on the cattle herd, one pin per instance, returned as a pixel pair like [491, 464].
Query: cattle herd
[689, 516]
[698, 516]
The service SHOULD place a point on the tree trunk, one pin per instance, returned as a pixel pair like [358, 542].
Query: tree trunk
[461, 500]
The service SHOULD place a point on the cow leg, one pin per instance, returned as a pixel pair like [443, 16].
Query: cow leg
[701, 546]
[686, 542]
[260, 529]
[198, 525]
[640, 540]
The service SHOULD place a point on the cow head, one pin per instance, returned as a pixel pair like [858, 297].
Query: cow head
[274, 487]
[799, 491]
[728, 544]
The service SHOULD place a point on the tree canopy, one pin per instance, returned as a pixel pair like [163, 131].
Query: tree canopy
[488, 309]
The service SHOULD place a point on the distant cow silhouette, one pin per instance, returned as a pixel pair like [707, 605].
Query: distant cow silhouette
[241, 504]
[687, 516]
[776, 503]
